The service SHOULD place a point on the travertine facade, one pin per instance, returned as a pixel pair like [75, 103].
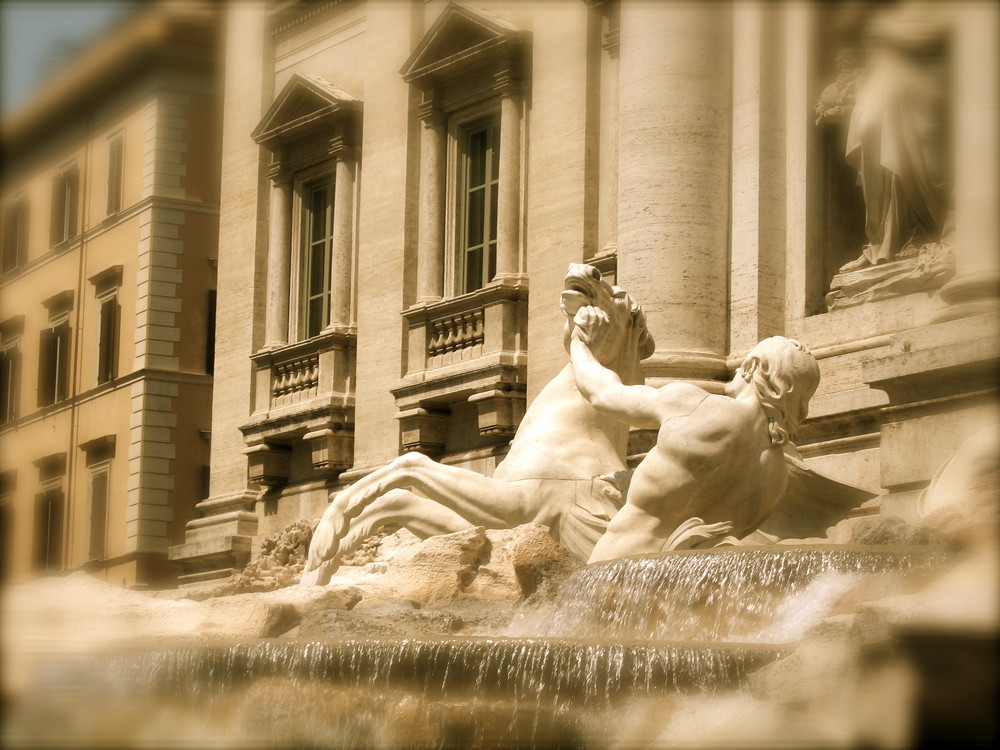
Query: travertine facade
[111, 202]
[405, 183]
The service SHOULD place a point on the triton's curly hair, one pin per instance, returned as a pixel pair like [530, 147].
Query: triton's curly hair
[785, 375]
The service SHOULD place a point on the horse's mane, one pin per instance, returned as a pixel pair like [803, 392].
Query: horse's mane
[646, 343]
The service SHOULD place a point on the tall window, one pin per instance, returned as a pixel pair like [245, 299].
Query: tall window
[8, 480]
[99, 477]
[107, 339]
[10, 375]
[478, 190]
[116, 172]
[317, 256]
[210, 314]
[15, 235]
[65, 196]
[48, 528]
[53, 364]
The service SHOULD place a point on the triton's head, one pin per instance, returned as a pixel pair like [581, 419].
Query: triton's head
[785, 375]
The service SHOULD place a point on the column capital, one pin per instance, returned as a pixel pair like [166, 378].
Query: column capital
[342, 148]
[430, 114]
[506, 84]
[278, 173]
[611, 42]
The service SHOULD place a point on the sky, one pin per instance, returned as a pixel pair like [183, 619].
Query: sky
[37, 34]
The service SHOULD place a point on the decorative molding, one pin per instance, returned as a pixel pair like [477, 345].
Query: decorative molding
[59, 303]
[307, 105]
[279, 173]
[109, 277]
[484, 39]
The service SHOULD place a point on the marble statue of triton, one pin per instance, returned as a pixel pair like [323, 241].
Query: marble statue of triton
[718, 467]
[560, 470]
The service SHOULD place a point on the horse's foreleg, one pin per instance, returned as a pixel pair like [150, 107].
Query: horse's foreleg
[482, 501]
[421, 516]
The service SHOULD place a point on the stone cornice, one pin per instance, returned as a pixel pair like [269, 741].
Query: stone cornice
[156, 37]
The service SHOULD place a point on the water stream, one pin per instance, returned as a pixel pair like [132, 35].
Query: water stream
[744, 594]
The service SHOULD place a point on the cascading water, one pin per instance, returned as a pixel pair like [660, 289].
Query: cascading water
[618, 634]
[722, 594]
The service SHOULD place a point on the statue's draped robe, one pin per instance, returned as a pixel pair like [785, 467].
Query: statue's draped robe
[895, 142]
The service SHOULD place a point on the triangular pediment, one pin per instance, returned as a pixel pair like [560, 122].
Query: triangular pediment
[460, 35]
[307, 103]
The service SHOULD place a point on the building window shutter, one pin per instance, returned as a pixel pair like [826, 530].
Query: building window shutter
[10, 368]
[53, 365]
[98, 513]
[116, 169]
[107, 348]
[48, 530]
[64, 205]
[15, 236]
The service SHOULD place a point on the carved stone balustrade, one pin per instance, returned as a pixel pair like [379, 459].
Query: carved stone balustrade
[303, 393]
[470, 351]
[295, 381]
[455, 337]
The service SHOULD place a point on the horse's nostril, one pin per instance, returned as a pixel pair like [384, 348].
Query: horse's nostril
[595, 273]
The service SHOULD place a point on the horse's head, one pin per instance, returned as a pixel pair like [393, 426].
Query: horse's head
[627, 340]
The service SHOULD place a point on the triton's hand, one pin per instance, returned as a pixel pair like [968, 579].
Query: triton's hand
[591, 324]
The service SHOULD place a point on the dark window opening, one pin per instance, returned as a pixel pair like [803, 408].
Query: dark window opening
[65, 196]
[210, 332]
[15, 236]
[48, 530]
[53, 365]
[10, 373]
[107, 344]
[98, 512]
[116, 174]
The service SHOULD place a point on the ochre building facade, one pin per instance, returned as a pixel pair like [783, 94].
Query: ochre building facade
[110, 232]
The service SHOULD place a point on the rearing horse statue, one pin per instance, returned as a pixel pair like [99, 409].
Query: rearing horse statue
[559, 471]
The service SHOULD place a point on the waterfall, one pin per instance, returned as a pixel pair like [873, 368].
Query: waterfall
[723, 594]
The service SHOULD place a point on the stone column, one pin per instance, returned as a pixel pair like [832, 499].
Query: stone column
[279, 255]
[607, 201]
[976, 284]
[509, 198]
[673, 189]
[430, 231]
[343, 235]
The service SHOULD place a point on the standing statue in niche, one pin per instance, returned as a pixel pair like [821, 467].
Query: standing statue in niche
[560, 470]
[896, 136]
[718, 467]
[892, 94]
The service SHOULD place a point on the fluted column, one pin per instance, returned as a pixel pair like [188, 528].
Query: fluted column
[976, 284]
[341, 268]
[673, 190]
[279, 256]
[509, 198]
[430, 230]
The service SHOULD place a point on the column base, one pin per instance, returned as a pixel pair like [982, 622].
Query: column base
[685, 365]
[219, 543]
